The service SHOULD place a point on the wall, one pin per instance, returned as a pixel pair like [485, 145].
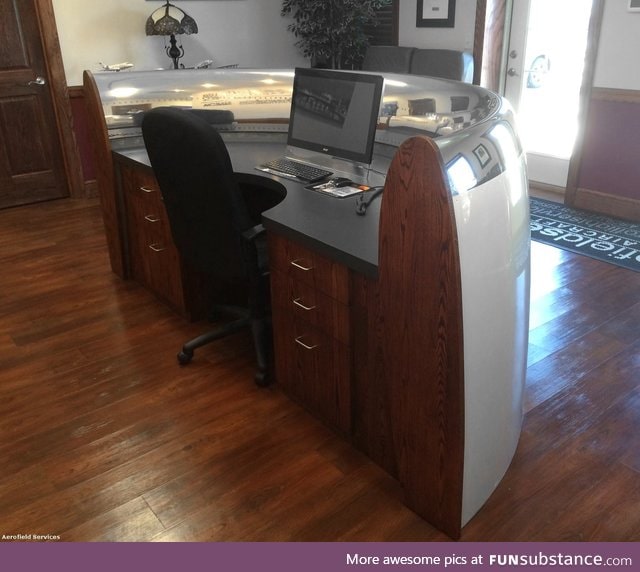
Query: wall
[612, 139]
[616, 66]
[458, 38]
[250, 33]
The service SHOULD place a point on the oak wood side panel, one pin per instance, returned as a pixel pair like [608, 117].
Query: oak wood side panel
[416, 333]
[111, 211]
[372, 420]
[82, 136]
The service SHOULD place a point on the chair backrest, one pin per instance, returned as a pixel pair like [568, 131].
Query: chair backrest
[206, 211]
[447, 64]
[391, 59]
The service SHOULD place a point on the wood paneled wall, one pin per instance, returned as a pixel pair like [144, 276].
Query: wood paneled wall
[608, 176]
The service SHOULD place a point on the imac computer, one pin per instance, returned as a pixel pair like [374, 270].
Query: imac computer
[333, 113]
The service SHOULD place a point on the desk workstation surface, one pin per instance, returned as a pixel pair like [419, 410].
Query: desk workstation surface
[326, 223]
[433, 280]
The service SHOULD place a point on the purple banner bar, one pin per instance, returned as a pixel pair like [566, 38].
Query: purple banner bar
[314, 557]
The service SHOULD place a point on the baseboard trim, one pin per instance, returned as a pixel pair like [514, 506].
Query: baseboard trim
[611, 94]
[546, 188]
[611, 205]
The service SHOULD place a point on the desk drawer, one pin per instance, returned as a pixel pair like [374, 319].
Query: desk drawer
[304, 302]
[153, 258]
[309, 267]
[142, 184]
[313, 368]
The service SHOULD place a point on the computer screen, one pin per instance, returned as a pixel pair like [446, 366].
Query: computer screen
[335, 112]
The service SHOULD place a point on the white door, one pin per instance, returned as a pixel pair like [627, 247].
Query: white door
[545, 62]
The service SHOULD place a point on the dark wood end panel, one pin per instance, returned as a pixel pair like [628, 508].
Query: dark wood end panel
[111, 210]
[415, 339]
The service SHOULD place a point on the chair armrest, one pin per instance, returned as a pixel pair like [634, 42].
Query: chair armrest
[254, 248]
[251, 234]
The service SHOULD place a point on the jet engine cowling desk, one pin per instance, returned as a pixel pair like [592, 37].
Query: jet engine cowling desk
[405, 329]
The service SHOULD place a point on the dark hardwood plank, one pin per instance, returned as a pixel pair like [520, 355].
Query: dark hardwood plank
[104, 437]
[576, 359]
[126, 523]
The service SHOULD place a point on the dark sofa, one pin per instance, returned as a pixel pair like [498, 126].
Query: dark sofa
[447, 64]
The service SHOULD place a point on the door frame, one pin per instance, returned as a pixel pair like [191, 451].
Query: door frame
[593, 38]
[57, 85]
[492, 20]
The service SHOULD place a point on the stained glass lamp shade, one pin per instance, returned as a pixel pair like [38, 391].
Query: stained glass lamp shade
[170, 20]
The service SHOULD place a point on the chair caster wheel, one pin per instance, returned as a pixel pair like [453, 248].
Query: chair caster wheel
[184, 357]
[262, 379]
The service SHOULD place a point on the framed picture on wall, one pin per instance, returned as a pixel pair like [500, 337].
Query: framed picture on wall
[436, 14]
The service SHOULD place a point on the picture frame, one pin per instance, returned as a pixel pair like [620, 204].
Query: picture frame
[482, 155]
[436, 14]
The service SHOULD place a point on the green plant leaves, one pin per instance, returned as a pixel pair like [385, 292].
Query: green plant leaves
[331, 32]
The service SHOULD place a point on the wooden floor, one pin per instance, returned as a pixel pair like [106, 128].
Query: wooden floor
[104, 437]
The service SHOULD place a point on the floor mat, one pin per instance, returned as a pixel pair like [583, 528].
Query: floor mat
[598, 236]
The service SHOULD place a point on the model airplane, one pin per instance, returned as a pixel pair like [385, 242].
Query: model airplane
[116, 67]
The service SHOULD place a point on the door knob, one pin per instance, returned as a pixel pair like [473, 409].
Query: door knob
[38, 81]
[513, 54]
[511, 72]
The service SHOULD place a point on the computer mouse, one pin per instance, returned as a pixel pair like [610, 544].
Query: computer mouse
[341, 182]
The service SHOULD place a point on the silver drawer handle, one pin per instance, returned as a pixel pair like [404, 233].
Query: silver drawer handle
[147, 190]
[297, 264]
[152, 218]
[298, 303]
[305, 346]
[156, 247]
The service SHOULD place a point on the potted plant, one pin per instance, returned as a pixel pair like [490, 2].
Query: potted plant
[332, 32]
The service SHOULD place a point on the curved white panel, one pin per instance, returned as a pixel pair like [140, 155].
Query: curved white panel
[493, 233]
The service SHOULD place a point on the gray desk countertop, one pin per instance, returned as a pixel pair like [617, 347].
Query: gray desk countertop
[326, 224]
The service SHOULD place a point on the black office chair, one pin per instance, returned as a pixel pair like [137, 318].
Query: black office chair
[214, 215]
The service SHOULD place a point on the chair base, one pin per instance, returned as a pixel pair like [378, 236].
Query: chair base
[259, 332]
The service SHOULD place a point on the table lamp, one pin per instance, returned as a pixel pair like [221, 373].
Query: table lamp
[169, 21]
